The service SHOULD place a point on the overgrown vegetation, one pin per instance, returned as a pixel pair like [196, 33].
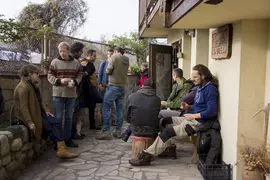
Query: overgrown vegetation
[132, 42]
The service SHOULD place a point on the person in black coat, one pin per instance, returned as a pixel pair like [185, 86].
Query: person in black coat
[142, 112]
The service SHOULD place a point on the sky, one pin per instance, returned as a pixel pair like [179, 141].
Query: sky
[105, 17]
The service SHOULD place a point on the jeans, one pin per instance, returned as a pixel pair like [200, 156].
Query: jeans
[51, 127]
[113, 94]
[60, 104]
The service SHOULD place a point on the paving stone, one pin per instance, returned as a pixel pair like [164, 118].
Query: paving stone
[138, 175]
[114, 173]
[104, 170]
[85, 178]
[154, 170]
[151, 175]
[135, 169]
[127, 174]
[114, 162]
[170, 178]
[55, 172]
[42, 175]
[87, 172]
[115, 178]
[84, 166]
[65, 177]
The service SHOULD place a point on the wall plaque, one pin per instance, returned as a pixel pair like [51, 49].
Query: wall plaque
[222, 42]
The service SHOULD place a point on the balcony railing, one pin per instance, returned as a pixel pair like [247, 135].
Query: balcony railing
[145, 8]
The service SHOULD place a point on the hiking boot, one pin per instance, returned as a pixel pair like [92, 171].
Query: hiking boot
[77, 136]
[117, 134]
[83, 135]
[71, 144]
[143, 159]
[63, 152]
[170, 151]
[104, 135]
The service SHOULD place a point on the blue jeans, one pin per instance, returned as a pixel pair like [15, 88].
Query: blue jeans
[52, 128]
[60, 104]
[113, 94]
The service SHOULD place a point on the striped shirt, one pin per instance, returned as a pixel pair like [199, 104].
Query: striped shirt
[60, 69]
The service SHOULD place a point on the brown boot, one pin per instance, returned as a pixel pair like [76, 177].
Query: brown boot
[63, 152]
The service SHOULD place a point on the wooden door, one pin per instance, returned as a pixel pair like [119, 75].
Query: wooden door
[160, 67]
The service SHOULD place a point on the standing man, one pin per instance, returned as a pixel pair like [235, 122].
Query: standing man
[103, 82]
[76, 52]
[93, 82]
[117, 71]
[64, 74]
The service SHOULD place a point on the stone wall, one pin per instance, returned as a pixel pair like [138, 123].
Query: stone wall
[9, 83]
[16, 151]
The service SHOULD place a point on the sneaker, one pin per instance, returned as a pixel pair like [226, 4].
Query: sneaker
[104, 135]
[124, 137]
[117, 134]
[71, 144]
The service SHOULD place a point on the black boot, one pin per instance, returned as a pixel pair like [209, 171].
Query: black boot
[144, 159]
[72, 144]
[170, 151]
[77, 136]
[94, 127]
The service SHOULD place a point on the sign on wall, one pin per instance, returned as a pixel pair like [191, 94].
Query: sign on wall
[222, 42]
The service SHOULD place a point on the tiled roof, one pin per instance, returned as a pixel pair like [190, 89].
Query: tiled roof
[11, 67]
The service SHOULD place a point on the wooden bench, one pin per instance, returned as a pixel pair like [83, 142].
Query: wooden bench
[139, 144]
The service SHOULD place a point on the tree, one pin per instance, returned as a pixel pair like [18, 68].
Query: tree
[132, 42]
[64, 16]
[10, 30]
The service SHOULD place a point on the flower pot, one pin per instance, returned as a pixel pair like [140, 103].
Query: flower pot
[252, 175]
[267, 176]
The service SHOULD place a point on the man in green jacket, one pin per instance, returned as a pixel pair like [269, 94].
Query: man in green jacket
[179, 90]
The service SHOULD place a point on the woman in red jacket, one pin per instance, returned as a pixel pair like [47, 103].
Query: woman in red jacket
[144, 74]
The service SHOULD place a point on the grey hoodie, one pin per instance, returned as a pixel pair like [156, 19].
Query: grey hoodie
[117, 70]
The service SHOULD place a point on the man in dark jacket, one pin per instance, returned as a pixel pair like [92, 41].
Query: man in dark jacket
[142, 112]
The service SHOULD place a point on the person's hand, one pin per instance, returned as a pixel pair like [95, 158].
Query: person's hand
[189, 116]
[85, 73]
[64, 81]
[32, 127]
[100, 86]
[71, 84]
[184, 106]
[48, 113]
[164, 103]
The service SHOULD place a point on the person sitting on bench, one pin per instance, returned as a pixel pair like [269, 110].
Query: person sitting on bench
[188, 99]
[30, 108]
[179, 90]
[142, 112]
[204, 109]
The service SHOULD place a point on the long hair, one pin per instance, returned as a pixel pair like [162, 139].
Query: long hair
[205, 74]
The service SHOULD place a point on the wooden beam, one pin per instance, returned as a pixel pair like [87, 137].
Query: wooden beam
[167, 6]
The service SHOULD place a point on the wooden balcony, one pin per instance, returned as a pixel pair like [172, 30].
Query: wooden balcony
[161, 15]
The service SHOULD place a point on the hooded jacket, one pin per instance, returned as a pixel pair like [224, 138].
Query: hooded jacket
[117, 70]
[142, 112]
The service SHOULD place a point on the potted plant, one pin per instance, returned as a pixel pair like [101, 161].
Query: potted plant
[134, 70]
[254, 162]
[266, 163]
